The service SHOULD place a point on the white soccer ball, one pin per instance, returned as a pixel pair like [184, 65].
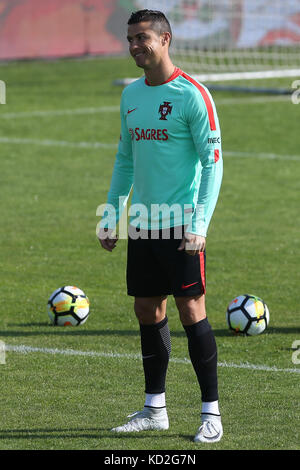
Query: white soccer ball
[68, 305]
[247, 314]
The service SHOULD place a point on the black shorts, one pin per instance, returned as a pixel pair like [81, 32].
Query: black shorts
[155, 267]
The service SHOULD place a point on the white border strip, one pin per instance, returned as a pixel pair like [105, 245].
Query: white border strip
[217, 77]
[22, 349]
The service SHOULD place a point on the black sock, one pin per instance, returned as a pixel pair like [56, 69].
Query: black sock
[203, 354]
[156, 348]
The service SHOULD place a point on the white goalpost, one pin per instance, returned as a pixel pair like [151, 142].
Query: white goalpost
[227, 40]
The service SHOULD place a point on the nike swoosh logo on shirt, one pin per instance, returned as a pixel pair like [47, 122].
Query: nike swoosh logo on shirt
[188, 285]
[131, 110]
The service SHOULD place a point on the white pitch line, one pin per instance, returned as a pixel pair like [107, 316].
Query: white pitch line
[56, 143]
[253, 100]
[60, 112]
[97, 145]
[114, 109]
[267, 156]
[22, 349]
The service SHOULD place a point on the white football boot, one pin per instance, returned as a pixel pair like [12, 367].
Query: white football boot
[211, 429]
[149, 419]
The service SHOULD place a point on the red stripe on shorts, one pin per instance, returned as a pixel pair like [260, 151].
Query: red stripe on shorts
[202, 270]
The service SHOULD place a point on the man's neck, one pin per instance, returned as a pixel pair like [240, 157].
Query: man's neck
[160, 74]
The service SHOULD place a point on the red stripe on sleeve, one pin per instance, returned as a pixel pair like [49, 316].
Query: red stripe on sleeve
[217, 155]
[206, 98]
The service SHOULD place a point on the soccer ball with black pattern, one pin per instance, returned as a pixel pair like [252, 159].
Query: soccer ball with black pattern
[68, 305]
[248, 315]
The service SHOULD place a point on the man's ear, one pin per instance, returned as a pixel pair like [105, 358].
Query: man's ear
[166, 38]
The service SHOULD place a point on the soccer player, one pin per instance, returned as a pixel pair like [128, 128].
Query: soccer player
[170, 152]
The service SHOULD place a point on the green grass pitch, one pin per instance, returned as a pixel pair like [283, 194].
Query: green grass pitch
[54, 173]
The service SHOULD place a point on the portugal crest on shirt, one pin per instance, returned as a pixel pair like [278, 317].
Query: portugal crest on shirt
[164, 110]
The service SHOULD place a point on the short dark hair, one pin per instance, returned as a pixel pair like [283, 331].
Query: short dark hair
[159, 21]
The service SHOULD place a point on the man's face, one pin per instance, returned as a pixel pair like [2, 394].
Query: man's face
[146, 46]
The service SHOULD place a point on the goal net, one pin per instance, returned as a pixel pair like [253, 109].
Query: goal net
[233, 39]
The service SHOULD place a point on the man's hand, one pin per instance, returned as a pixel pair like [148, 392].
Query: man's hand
[192, 244]
[106, 238]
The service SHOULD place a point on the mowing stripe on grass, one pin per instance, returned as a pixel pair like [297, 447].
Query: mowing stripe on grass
[97, 145]
[23, 349]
